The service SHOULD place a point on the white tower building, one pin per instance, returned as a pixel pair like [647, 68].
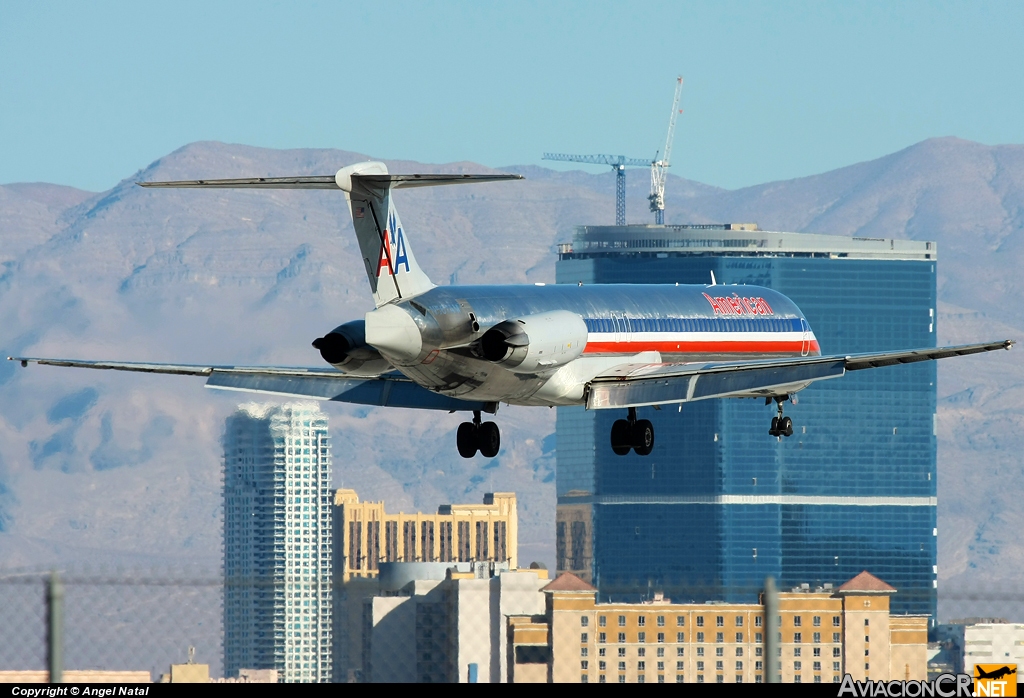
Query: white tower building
[277, 542]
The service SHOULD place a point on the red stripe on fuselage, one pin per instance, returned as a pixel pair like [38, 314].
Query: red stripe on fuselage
[676, 347]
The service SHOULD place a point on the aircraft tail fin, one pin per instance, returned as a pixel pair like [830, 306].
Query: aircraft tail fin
[383, 243]
[388, 258]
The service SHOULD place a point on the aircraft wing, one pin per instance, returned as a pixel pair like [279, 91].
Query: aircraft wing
[389, 390]
[635, 385]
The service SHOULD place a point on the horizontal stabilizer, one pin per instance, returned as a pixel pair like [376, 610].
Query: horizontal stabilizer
[375, 181]
[391, 390]
[317, 182]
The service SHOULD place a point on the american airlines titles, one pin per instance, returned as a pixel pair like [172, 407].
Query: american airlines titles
[734, 305]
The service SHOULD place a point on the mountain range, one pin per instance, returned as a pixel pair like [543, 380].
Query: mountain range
[126, 468]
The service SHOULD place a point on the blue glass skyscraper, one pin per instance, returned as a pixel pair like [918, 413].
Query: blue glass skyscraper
[720, 504]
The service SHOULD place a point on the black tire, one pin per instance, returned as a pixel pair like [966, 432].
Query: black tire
[488, 439]
[620, 437]
[774, 431]
[465, 439]
[643, 437]
[786, 426]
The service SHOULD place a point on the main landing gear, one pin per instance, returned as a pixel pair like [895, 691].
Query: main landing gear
[781, 426]
[632, 433]
[474, 436]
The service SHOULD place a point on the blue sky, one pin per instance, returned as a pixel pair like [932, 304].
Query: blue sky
[91, 92]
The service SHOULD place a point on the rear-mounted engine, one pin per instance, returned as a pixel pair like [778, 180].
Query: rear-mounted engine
[346, 349]
[535, 343]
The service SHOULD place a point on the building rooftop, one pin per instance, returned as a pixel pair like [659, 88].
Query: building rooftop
[737, 239]
[866, 582]
[568, 582]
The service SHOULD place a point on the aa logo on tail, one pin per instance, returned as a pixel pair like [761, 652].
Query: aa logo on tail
[393, 253]
[995, 679]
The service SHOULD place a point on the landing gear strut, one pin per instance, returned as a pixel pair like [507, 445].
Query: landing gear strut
[781, 426]
[632, 433]
[474, 436]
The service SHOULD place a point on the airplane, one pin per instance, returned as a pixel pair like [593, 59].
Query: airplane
[994, 674]
[470, 348]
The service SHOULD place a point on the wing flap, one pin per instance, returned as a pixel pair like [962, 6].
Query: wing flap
[385, 391]
[856, 362]
[390, 390]
[137, 367]
[707, 381]
[631, 385]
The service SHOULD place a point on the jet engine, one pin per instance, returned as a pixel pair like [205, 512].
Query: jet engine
[346, 349]
[535, 343]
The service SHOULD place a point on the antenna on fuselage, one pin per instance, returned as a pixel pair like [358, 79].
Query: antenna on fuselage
[713, 282]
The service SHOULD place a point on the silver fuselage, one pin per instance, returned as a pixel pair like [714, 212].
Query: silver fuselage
[626, 324]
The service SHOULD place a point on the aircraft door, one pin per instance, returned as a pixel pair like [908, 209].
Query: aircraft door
[622, 330]
[805, 344]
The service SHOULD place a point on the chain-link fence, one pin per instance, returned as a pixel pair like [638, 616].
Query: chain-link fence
[117, 621]
[437, 622]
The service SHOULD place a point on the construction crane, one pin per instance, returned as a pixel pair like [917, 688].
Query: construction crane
[619, 163]
[659, 168]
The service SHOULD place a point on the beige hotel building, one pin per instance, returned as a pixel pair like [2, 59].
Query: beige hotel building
[365, 535]
[826, 633]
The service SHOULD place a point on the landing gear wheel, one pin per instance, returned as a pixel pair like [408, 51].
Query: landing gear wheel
[466, 439]
[621, 441]
[643, 437]
[488, 438]
[781, 426]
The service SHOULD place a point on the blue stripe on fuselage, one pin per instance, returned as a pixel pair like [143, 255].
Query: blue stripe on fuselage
[699, 324]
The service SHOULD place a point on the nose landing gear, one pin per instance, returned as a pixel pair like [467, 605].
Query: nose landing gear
[632, 433]
[476, 436]
[781, 426]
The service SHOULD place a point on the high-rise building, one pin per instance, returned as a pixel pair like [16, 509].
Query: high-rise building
[277, 542]
[719, 505]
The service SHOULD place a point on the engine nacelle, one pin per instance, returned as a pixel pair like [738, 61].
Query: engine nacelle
[535, 343]
[346, 349]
